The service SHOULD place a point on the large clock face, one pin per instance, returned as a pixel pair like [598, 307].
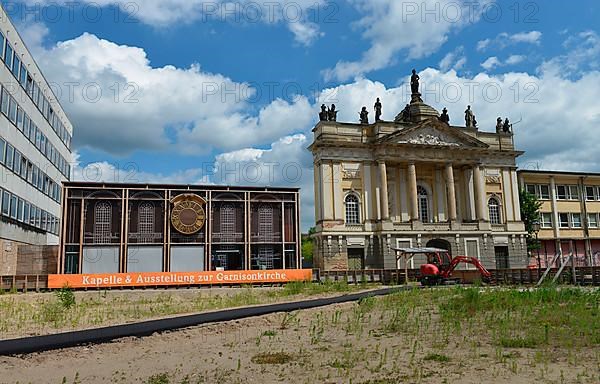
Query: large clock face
[188, 216]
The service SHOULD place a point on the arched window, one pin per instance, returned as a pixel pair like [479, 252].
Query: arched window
[494, 210]
[102, 222]
[265, 222]
[352, 209]
[227, 216]
[146, 222]
[423, 198]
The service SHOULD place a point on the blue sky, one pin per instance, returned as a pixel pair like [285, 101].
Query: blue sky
[236, 86]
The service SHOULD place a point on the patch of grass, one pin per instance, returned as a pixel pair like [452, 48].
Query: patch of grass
[159, 378]
[437, 357]
[518, 342]
[272, 358]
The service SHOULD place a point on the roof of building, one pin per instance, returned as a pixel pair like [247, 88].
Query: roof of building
[102, 185]
[565, 173]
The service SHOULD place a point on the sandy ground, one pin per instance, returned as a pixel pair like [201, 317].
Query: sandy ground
[327, 345]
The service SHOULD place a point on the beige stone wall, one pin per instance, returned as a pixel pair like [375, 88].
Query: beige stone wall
[8, 261]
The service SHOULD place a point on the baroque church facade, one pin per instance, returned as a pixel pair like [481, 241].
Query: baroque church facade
[414, 182]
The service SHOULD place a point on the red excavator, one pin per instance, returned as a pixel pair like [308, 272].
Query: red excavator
[440, 265]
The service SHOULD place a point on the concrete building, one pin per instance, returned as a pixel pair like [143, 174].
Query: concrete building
[35, 142]
[569, 215]
[118, 228]
[416, 181]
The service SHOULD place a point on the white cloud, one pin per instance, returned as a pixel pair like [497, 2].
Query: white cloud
[491, 63]
[417, 29]
[455, 60]
[296, 14]
[505, 39]
[119, 102]
[514, 59]
[531, 37]
[583, 55]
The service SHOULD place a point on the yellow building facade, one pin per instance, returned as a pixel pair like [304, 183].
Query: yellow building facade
[569, 215]
[414, 182]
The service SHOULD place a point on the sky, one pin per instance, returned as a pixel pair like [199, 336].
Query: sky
[227, 92]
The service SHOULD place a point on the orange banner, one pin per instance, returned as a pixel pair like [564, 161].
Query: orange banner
[107, 280]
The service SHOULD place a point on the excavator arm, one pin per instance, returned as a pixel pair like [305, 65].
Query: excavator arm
[447, 272]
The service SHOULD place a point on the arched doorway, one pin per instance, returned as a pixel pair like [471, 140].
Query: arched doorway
[440, 243]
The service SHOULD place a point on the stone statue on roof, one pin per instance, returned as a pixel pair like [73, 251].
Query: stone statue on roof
[378, 107]
[444, 118]
[323, 116]
[364, 116]
[414, 82]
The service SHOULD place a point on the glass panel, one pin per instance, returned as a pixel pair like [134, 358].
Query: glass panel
[144, 259]
[187, 258]
[100, 260]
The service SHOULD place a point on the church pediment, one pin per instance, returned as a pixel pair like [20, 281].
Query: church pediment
[433, 133]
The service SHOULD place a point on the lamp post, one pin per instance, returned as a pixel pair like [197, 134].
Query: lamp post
[536, 229]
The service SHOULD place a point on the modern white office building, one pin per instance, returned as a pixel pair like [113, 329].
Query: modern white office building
[35, 146]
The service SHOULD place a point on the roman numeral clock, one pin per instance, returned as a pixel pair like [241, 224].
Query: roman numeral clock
[187, 214]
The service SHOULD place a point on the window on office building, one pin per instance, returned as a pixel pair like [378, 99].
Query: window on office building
[591, 193]
[2, 148]
[13, 206]
[8, 156]
[576, 220]
[8, 54]
[593, 220]
[564, 220]
[6, 203]
[546, 220]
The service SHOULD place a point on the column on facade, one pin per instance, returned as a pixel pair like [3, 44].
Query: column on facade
[412, 190]
[469, 194]
[479, 182]
[440, 195]
[385, 210]
[338, 198]
[326, 173]
[555, 217]
[515, 190]
[451, 192]
[507, 194]
[403, 190]
[367, 192]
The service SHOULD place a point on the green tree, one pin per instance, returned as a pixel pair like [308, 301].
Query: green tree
[530, 214]
[307, 245]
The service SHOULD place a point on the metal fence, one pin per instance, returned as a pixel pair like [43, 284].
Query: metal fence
[514, 277]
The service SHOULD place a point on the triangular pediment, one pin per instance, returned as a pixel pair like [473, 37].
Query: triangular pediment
[433, 132]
